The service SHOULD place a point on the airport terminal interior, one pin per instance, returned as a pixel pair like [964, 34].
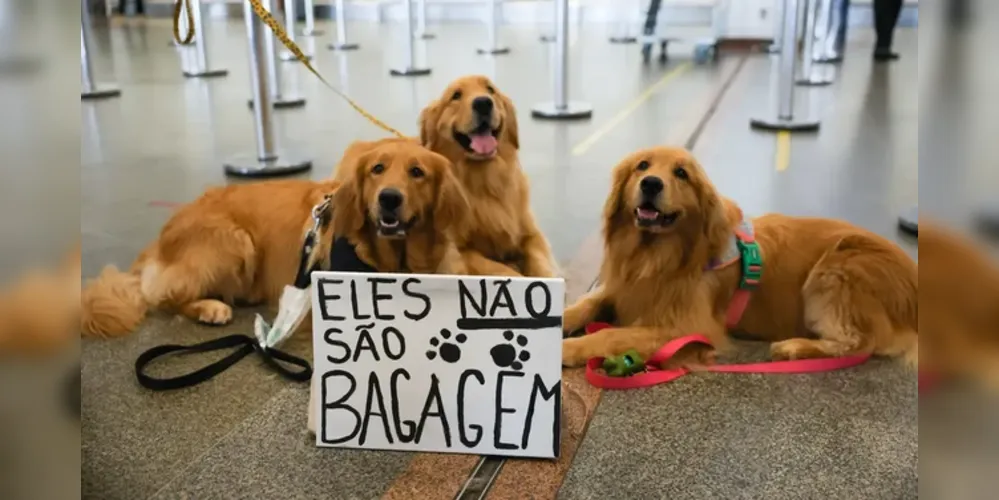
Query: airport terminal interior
[166, 138]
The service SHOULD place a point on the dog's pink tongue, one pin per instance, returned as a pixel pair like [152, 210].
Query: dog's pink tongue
[647, 214]
[484, 144]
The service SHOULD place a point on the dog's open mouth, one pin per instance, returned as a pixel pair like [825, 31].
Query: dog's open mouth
[648, 215]
[390, 226]
[483, 141]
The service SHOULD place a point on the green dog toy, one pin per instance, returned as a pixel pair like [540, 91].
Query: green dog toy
[624, 365]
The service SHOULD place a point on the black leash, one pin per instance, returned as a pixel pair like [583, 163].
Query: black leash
[246, 344]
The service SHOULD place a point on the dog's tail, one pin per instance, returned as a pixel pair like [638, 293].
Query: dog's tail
[112, 304]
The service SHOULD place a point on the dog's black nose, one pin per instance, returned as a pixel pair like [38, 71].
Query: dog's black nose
[390, 199]
[482, 105]
[651, 185]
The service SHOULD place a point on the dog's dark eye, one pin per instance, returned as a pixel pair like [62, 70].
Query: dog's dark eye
[490, 89]
[377, 169]
[680, 173]
[416, 172]
[456, 95]
[642, 166]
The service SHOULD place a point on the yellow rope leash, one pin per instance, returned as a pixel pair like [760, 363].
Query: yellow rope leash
[281, 35]
[176, 22]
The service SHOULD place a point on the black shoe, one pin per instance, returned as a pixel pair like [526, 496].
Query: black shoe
[882, 55]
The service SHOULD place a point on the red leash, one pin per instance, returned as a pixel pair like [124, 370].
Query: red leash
[653, 375]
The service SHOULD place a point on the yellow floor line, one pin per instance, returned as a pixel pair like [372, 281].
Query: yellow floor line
[585, 144]
[782, 157]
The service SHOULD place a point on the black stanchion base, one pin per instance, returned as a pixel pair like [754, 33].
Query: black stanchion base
[101, 92]
[778, 124]
[283, 102]
[282, 164]
[313, 32]
[829, 60]
[207, 74]
[495, 52]
[547, 38]
[908, 221]
[987, 222]
[344, 46]
[571, 111]
[289, 57]
[814, 81]
[623, 39]
[410, 72]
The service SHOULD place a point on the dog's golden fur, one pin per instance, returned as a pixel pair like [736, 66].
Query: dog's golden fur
[959, 307]
[828, 288]
[501, 236]
[40, 310]
[240, 244]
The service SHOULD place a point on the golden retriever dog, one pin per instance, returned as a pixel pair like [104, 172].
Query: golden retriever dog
[241, 244]
[828, 288]
[958, 298]
[399, 206]
[474, 125]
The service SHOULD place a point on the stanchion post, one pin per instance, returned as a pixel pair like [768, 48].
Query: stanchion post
[289, 27]
[808, 74]
[341, 30]
[546, 38]
[785, 119]
[831, 48]
[267, 161]
[624, 35]
[90, 89]
[410, 69]
[310, 20]
[778, 40]
[281, 97]
[561, 108]
[421, 21]
[492, 31]
[202, 69]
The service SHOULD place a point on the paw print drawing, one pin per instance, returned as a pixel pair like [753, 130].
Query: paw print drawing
[507, 355]
[448, 350]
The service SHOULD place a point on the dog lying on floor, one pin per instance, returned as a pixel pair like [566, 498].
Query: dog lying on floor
[474, 125]
[827, 289]
[240, 244]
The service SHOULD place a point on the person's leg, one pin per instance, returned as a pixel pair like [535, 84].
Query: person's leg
[886, 14]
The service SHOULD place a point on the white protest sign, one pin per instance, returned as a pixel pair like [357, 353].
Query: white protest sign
[455, 364]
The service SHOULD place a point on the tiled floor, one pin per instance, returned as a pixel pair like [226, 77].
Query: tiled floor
[165, 138]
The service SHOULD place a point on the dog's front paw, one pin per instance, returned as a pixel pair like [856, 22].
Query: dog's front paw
[572, 353]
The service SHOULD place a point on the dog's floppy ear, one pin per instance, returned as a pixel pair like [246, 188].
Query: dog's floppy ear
[452, 205]
[720, 215]
[349, 212]
[615, 199]
[428, 123]
[510, 122]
